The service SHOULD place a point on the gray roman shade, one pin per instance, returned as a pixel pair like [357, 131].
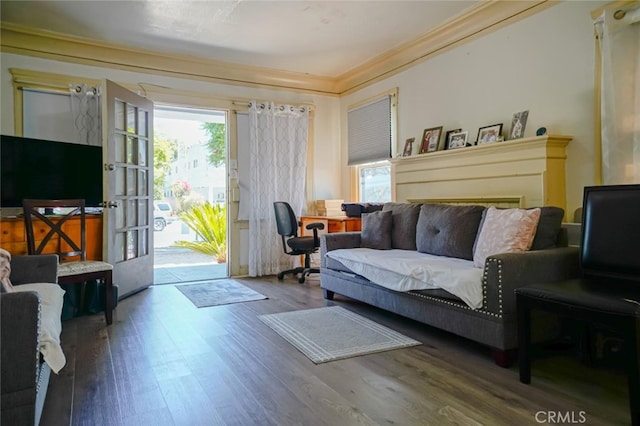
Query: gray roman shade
[370, 132]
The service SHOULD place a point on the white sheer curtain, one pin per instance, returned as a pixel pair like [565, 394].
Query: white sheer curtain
[619, 39]
[85, 107]
[278, 162]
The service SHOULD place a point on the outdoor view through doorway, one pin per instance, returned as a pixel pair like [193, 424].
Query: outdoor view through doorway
[190, 221]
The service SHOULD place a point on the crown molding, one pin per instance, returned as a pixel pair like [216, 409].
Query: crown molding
[480, 19]
[45, 44]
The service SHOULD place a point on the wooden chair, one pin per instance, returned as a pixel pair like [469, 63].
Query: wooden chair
[53, 234]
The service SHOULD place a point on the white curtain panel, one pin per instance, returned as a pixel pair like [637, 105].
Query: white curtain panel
[278, 162]
[85, 107]
[619, 38]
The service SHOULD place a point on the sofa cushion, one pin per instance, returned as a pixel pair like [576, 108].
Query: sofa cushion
[376, 230]
[505, 231]
[548, 228]
[403, 227]
[448, 230]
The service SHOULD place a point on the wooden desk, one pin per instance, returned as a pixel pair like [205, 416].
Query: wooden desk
[13, 236]
[331, 224]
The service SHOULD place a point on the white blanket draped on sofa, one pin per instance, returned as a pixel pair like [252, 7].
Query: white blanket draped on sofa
[406, 270]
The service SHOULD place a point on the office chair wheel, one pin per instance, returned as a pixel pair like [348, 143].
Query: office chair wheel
[301, 279]
[280, 276]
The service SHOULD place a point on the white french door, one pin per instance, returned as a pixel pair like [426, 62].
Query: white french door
[127, 131]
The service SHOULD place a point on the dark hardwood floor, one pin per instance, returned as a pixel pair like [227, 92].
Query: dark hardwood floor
[166, 362]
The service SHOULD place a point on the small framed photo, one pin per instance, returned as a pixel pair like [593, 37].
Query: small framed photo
[447, 137]
[458, 140]
[518, 123]
[430, 139]
[489, 134]
[408, 147]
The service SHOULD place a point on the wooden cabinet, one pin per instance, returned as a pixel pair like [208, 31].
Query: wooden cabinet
[331, 224]
[13, 236]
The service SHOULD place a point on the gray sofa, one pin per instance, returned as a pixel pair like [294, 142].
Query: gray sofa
[25, 376]
[452, 229]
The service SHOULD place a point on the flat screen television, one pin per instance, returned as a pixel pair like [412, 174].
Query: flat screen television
[42, 169]
[610, 243]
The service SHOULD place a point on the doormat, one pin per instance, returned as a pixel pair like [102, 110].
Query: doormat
[332, 333]
[219, 292]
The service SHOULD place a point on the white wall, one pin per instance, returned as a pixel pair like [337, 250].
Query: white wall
[326, 128]
[544, 63]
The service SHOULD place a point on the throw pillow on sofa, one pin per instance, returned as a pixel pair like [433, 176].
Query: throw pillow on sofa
[548, 228]
[505, 231]
[546, 235]
[448, 230]
[376, 230]
[403, 225]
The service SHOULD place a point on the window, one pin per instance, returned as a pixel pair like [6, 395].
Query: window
[372, 141]
[375, 182]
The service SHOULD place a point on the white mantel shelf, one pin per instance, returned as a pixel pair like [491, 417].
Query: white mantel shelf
[532, 169]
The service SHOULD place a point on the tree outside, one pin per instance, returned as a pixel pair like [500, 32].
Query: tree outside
[216, 144]
[165, 151]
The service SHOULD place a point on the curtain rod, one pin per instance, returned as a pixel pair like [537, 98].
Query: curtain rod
[280, 105]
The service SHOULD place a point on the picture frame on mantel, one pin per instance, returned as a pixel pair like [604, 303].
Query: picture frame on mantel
[408, 147]
[447, 137]
[458, 140]
[489, 134]
[518, 124]
[430, 139]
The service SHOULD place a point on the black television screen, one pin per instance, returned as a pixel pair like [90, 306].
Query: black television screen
[611, 231]
[41, 169]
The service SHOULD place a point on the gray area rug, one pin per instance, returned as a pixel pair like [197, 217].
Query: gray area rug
[219, 292]
[332, 333]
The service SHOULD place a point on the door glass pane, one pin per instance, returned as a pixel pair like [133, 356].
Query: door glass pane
[131, 181]
[119, 246]
[119, 118]
[120, 147]
[120, 214]
[142, 123]
[132, 244]
[142, 213]
[144, 242]
[121, 181]
[142, 152]
[142, 182]
[132, 213]
[131, 119]
[130, 150]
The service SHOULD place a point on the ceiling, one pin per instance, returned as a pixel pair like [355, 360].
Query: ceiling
[322, 38]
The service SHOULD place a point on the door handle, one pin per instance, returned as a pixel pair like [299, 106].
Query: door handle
[110, 167]
[109, 204]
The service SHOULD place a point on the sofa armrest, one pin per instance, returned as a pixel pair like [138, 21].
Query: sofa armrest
[34, 269]
[505, 272]
[20, 316]
[335, 241]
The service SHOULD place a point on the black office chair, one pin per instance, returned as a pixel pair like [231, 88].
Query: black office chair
[288, 229]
